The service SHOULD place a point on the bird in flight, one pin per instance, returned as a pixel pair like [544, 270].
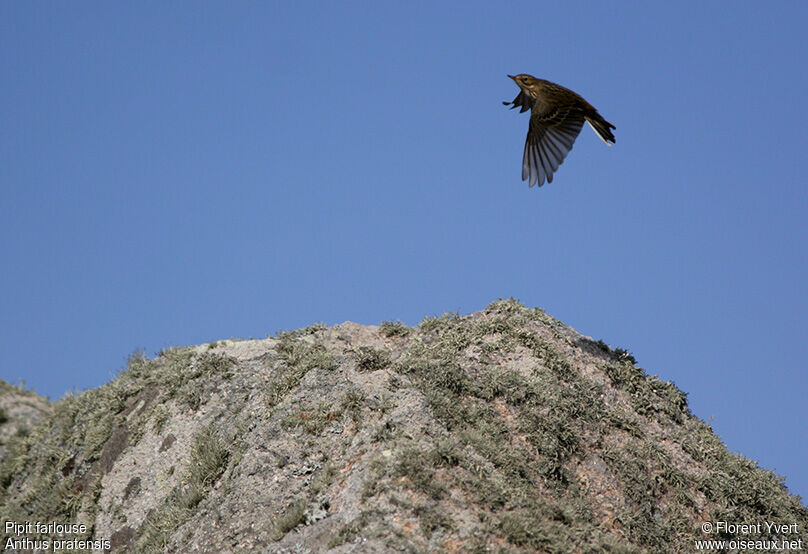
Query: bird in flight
[556, 117]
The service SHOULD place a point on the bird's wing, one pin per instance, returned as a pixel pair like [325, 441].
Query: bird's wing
[549, 140]
[523, 100]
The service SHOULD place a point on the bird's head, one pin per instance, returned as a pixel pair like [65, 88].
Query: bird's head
[528, 83]
[528, 92]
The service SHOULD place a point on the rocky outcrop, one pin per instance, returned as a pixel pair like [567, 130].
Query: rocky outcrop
[503, 430]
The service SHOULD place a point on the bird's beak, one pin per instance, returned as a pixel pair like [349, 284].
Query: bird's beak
[512, 77]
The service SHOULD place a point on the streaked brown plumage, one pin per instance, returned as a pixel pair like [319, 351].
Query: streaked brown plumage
[556, 117]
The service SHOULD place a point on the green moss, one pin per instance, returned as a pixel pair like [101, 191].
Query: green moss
[447, 452]
[295, 359]
[295, 334]
[648, 394]
[385, 432]
[419, 470]
[291, 517]
[517, 528]
[209, 457]
[352, 403]
[98, 432]
[431, 518]
[323, 480]
[546, 353]
[620, 418]
[552, 407]
[624, 356]
[515, 428]
[15, 460]
[394, 329]
[159, 416]
[312, 419]
[371, 359]
[37, 483]
[207, 461]
[374, 484]
[349, 531]
[509, 307]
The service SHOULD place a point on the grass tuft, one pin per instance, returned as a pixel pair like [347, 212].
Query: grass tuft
[394, 329]
[371, 359]
[208, 460]
[291, 517]
[295, 359]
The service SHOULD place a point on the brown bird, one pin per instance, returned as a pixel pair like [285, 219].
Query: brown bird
[556, 117]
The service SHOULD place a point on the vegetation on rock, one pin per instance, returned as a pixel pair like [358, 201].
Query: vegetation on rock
[503, 430]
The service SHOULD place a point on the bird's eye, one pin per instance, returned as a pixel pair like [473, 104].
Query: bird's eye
[524, 80]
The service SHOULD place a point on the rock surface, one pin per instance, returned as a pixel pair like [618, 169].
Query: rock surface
[500, 431]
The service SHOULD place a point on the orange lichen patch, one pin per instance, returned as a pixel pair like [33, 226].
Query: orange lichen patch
[607, 518]
[407, 526]
[503, 411]
[500, 544]
[453, 544]
[509, 418]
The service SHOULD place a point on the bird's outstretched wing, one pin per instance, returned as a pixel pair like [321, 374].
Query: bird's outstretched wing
[549, 140]
[523, 100]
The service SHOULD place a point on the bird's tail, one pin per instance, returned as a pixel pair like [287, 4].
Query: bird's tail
[602, 127]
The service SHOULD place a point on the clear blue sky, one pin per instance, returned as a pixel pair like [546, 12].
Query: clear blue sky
[179, 173]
